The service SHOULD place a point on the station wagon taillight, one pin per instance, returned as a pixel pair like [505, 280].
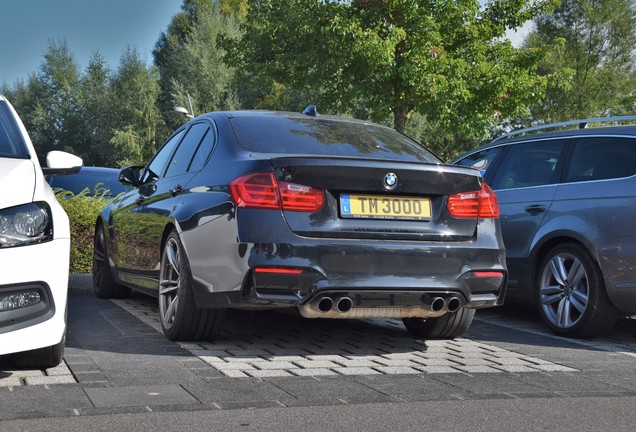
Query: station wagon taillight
[475, 204]
[262, 190]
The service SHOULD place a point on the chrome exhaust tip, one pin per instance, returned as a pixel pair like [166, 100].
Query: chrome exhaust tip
[344, 304]
[325, 304]
[454, 304]
[437, 304]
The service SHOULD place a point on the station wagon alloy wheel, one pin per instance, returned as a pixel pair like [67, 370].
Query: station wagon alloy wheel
[564, 290]
[572, 297]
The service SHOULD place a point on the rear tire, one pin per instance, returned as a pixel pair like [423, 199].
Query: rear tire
[104, 285]
[448, 326]
[571, 295]
[181, 320]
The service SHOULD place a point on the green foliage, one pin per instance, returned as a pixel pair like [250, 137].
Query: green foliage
[47, 102]
[134, 92]
[190, 60]
[590, 59]
[82, 211]
[107, 118]
[444, 60]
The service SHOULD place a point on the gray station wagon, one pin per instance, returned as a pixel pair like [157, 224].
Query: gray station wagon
[568, 216]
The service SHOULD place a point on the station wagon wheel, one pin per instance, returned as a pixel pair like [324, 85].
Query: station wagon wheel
[180, 318]
[571, 297]
[104, 285]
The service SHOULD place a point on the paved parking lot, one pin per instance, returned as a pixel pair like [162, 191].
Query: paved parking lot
[117, 360]
[274, 344]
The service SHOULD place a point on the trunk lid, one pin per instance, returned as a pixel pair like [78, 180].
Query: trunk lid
[414, 208]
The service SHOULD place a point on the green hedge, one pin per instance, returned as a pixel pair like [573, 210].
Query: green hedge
[82, 210]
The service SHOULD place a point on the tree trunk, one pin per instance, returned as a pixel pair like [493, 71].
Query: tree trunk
[400, 117]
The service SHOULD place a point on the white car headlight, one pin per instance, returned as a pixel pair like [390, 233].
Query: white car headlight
[25, 224]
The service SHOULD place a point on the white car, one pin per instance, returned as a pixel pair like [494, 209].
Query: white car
[34, 249]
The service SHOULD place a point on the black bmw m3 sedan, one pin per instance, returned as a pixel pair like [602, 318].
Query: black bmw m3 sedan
[336, 217]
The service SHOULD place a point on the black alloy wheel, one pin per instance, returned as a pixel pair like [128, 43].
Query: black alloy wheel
[104, 285]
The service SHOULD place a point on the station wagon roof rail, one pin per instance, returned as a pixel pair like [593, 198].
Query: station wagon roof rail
[582, 124]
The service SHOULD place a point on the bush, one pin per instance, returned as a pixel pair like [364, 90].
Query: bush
[82, 210]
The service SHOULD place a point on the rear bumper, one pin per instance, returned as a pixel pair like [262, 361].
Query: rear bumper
[374, 274]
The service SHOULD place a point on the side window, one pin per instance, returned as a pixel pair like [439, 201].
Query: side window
[158, 163]
[204, 150]
[529, 164]
[481, 160]
[600, 158]
[182, 157]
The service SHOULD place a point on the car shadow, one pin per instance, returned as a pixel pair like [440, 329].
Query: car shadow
[520, 323]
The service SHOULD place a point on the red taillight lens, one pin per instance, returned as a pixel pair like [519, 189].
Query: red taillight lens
[255, 190]
[300, 198]
[277, 270]
[476, 204]
[261, 190]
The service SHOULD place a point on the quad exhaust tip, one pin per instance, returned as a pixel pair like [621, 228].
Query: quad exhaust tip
[325, 304]
[454, 304]
[344, 304]
[437, 304]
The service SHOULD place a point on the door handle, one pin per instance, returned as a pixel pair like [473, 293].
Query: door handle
[535, 209]
[176, 190]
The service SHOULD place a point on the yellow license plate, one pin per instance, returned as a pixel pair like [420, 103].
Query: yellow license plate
[384, 207]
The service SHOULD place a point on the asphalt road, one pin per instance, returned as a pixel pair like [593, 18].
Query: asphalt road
[270, 370]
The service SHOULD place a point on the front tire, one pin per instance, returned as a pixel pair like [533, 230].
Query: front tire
[571, 299]
[104, 285]
[181, 320]
[448, 326]
[41, 358]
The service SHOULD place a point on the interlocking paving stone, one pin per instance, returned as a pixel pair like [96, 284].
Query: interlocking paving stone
[139, 395]
[60, 374]
[274, 344]
[57, 379]
[268, 373]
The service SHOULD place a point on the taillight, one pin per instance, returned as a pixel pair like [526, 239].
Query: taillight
[476, 204]
[255, 190]
[261, 190]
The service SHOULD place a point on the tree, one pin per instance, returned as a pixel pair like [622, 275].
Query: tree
[137, 120]
[47, 102]
[96, 109]
[190, 61]
[391, 58]
[595, 54]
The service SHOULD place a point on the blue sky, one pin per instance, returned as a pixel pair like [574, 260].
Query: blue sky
[107, 27]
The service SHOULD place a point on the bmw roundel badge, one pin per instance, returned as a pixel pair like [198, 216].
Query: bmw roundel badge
[390, 181]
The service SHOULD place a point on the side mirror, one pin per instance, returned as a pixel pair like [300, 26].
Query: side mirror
[130, 176]
[60, 163]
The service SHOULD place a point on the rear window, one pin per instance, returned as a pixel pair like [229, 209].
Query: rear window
[11, 143]
[322, 137]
